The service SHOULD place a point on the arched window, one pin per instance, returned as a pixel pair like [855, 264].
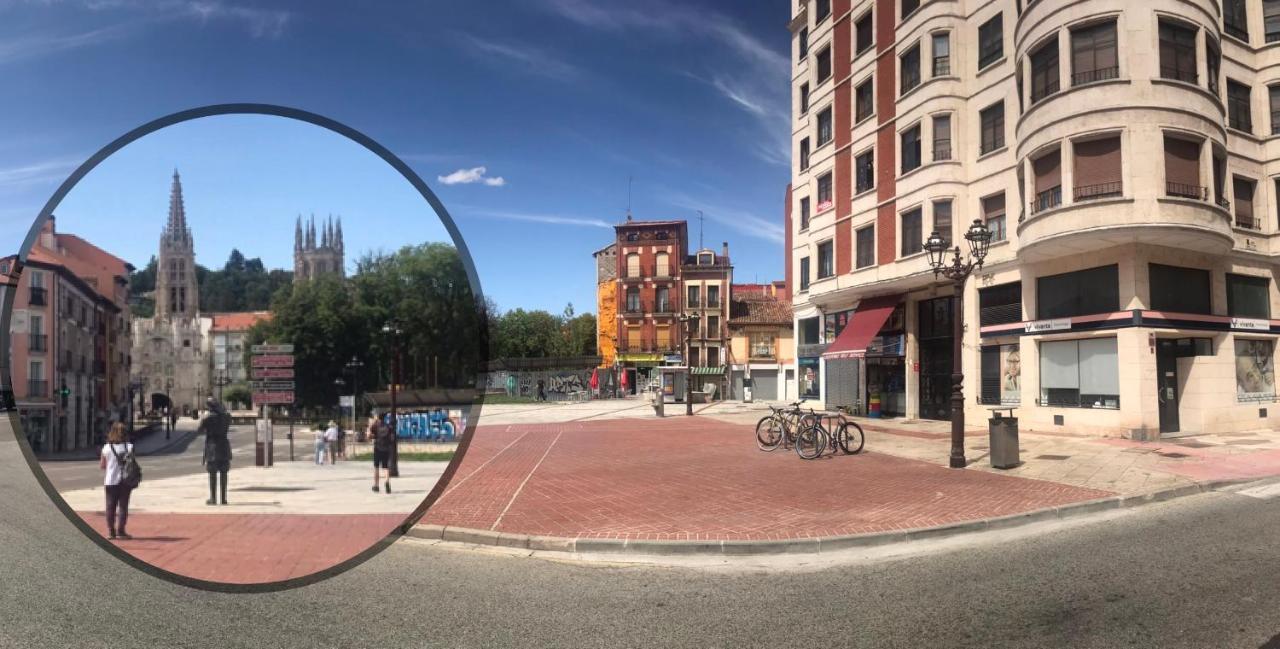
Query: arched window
[661, 267]
[633, 265]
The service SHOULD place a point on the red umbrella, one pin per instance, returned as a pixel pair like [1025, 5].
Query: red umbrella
[622, 380]
[595, 379]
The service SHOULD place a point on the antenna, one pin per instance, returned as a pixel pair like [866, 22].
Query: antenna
[699, 229]
[629, 179]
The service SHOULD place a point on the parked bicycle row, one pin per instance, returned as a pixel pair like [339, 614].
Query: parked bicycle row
[809, 432]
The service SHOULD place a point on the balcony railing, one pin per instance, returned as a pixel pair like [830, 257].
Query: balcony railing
[1248, 222]
[38, 295]
[713, 303]
[637, 275]
[38, 342]
[941, 66]
[941, 150]
[695, 303]
[1094, 76]
[1179, 74]
[1100, 190]
[37, 387]
[1184, 190]
[1047, 199]
[633, 308]
[1222, 202]
[1050, 88]
[664, 307]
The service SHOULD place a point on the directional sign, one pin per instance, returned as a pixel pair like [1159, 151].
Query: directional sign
[272, 373]
[272, 397]
[272, 386]
[277, 360]
[273, 349]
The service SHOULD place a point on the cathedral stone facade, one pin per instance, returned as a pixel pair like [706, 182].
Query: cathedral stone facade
[312, 259]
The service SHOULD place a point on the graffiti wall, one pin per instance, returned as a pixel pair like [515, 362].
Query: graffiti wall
[558, 384]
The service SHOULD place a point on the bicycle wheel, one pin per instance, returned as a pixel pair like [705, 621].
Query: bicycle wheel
[850, 438]
[768, 433]
[811, 441]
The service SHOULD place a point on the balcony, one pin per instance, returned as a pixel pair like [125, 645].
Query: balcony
[38, 342]
[633, 308]
[695, 303]
[941, 66]
[1050, 88]
[1047, 199]
[1095, 192]
[1094, 76]
[37, 388]
[1248, 222]
[664, 307]
[713, 303]
[941, 150]
[38, 296]
[1183, 190]
[639, 274]
[1179, 74]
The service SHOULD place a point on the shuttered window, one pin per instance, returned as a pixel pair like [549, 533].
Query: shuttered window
[1093, 54]
[1097, 168]
[1242, 189]
[1182, 168]
[1048, 181]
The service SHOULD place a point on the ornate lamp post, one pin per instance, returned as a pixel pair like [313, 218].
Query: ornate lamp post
[958, 270]
[690, 322]
[354, 365]
[221, 380]
[339, 384]
[393, 332]
[135, 387]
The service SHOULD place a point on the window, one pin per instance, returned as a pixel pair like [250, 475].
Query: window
[804, 213]
[864, 98]
[1083, 292]
[804, 42]
[1214, 63]
[1048, 181]
[941, 54]
[941, 137]
[1044, 71]
[713, 326]
[1182, 168]
[1234, 20]
[1273, 100]
[1001, 376]
[826, 267]
[991, 41]
[1242, 190]
[633, 265]
[694, 297]
[824, 64]
[1248, 296]
[661, 265]
[992, 119]
[865, 166]
[761, 344]
[911, 148]
[864, 33]
[1255, 370]
[1080, 373]
[824, 126]
[663, 334]
[1093, 54]
[1239, 116]
[821, 9]
[1097, 168]
[912, 239]
[993, 216]
[804, 154]
[693, 357]
[866, 247]
[810, 331]
[909, 6]
[804, 98]
[713, 296]
[1271, 20]
[633, 300]
[1179, 290]
[825, 201]
[1000, 304]
[804, 273]
[910, 69]
[942, 219]
[1177, 51]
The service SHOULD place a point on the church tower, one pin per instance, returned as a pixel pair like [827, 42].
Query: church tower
[176, 290]
[312, 258]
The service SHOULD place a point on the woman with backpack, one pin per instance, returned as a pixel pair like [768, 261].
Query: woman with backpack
[115, 455]
[383, 437]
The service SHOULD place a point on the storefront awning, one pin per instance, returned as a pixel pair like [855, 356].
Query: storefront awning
[708, 370]
[863, 326]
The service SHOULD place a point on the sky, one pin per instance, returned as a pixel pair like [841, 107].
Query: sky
[532, 121]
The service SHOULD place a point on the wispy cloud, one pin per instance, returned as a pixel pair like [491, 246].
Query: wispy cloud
[257, 21]
[551, 219]
[471, 176]
[32, 46]
[531, 58]
[260, 23]
[37, 172]
[736, 219]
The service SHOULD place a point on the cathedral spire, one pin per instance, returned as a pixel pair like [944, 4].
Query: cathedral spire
[311, 233]
[339, 231]
[297, 234]
[177, 226]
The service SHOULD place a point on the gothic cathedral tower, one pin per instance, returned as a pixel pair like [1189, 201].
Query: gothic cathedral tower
[176, 289]
[312, 259]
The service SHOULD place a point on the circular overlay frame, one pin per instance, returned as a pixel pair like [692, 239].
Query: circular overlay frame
[6, 314]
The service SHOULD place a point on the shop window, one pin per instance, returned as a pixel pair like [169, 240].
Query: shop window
[1083, 292]
[810, 331]
[1255, 370]
[1179, 290]
[1001, 376]
[999, 305]
[809, 386]
[834, 323]
[1248, 296]
[1079, 373]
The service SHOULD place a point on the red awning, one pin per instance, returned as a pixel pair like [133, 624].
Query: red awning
[863, 326]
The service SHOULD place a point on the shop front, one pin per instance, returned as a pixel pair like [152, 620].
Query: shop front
[639, 369]
[870, 345]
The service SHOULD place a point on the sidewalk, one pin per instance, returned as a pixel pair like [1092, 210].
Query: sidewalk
[149, 440]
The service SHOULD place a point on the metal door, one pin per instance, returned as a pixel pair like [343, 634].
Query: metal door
[1167, 385]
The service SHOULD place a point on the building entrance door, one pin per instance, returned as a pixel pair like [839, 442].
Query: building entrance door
[934, 331]
[1167, 384]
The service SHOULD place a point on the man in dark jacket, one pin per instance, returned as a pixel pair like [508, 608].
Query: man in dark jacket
[217, 448]
[383, 436]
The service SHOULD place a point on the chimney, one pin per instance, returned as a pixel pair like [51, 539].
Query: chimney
[725, 254]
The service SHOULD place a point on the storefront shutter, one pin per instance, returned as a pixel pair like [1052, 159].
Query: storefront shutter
[1099, 369]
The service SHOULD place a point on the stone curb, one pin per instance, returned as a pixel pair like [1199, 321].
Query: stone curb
[581, 545]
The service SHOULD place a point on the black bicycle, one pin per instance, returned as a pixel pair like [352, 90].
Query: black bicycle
[829, 431]
[781, 426]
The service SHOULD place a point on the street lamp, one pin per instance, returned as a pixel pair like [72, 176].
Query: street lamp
[354, 365]
[135, 387]
[221, 380]
[393, 333]
[958, 270]
[339, 384]
[690, 322]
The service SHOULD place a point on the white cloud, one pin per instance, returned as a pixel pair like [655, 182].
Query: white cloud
[32, 46]
[259, 22]
[532, 58]
[39, 172]
[550, 219]
[471, 176]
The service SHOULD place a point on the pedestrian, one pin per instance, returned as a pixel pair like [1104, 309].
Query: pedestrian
[331, 441]
[217, 449]
[320, 445]
[383, 438]
[114, 454]
[342, 442]
[542, 392]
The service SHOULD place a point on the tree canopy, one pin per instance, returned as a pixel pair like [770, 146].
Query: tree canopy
[539, 334]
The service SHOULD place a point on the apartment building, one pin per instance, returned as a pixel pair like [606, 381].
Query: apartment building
[761, 344]
[1124, 156]
[227, 334]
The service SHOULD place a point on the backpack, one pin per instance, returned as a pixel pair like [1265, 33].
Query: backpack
[130, 472]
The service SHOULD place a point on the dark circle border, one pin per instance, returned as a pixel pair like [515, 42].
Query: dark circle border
[6, 313]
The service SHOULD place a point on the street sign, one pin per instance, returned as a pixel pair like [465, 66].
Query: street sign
[272, 373]
[260, 398]
[273, 349]
[276, 360]
[272, 386]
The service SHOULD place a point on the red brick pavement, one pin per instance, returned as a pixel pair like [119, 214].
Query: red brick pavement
[676, 479]
[248, 548]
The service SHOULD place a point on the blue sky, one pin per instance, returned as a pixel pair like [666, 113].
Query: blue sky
[559, 101]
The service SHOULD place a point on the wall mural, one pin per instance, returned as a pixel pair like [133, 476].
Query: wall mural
[558, 384]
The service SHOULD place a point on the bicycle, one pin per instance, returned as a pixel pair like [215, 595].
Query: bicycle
[824, 433]
[780, 426]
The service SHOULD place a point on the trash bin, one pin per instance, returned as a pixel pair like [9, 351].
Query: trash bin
[658, 401]
[746, 390]
[1004, 439]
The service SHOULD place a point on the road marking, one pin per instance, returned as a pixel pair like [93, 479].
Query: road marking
[526, 480]
[457, 484]
[1264, 492]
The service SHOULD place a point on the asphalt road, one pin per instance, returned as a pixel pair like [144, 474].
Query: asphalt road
[1201, 572]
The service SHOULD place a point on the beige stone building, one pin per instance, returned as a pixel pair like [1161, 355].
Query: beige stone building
[1124, 154]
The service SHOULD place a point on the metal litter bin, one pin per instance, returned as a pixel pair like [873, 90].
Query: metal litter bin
[658, 400]
[1003, 439]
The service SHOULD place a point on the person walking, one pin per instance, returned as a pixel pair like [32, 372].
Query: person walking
[542, 390]
[342, 442]
[320, 445]
[112, 460]
[331, 441]
[383, 437]
[217, 449]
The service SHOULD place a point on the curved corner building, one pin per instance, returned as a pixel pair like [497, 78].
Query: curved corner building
[1123, 153]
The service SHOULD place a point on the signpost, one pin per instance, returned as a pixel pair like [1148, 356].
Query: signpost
[272, 385]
